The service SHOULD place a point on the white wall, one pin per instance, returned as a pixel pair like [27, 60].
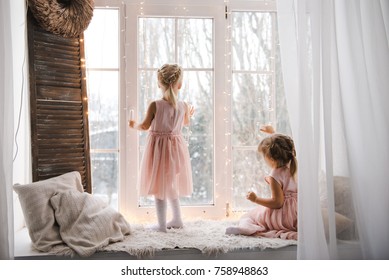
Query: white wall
[22, 162]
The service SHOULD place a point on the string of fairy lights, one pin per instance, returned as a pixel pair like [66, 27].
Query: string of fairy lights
[227, 101]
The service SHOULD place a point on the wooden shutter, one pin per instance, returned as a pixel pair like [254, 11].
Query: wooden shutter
[59, 119]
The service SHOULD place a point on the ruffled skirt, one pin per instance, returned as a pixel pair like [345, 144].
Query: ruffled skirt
[166, 171]
[272, 223]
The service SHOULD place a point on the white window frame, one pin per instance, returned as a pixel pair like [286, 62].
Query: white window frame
[129, 11]
[116, 150]
[249, 6]
[129, 201]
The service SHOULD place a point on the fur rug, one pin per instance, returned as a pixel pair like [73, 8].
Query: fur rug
[205, 235]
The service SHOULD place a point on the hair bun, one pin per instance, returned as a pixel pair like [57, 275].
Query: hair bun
[169, 73]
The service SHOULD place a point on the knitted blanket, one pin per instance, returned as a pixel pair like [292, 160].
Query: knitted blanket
[86, 223]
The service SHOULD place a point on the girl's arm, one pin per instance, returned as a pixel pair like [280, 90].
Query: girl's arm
[277, 196]
[148, 119]
[188, 114]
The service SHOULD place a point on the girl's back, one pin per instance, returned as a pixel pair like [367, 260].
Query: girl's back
[168, 119]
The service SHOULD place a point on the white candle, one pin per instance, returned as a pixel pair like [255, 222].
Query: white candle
[131, 115]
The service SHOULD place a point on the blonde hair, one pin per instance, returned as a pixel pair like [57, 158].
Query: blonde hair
[168, 76]
[280, 148]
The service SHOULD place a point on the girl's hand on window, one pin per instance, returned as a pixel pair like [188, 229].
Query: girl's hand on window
[267, 129]
[131, 123]
[191, 110]
[251, 196]
[188, 114]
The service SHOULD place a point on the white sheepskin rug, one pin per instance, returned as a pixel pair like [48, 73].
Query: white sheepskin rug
[208, 236]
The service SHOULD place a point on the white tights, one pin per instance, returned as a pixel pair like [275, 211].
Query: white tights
[176, 221]
[160, 206]
[161, 209]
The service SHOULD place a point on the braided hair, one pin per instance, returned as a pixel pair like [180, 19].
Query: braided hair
[168, 76]
[280, 148]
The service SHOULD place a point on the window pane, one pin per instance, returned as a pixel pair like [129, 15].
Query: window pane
[197, 90]
[282, 114]
[102, 39]
[156, 42]
[257, 98]
[103, 109]
[249, 171]
[251, 100]
[102, 62]
[195, 43]
[252, 41]
[105, 177]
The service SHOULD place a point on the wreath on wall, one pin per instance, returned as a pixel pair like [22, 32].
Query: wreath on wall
[67, 18]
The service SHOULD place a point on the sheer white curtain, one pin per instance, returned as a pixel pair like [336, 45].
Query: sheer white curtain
[335, 59]
[6, 133]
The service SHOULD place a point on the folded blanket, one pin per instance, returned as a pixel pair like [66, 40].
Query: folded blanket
[86, 223]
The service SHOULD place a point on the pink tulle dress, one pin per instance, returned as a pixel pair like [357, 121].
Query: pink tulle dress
[165, 169]
[274, 223]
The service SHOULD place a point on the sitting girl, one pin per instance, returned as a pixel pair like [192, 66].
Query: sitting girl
[275, 216]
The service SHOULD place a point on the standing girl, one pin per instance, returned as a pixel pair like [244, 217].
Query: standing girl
[165, 170]
[275, 216]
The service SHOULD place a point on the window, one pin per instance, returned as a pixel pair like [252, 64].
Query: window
[102, 64]
[188, 38]
[257, 98]
[231, 75]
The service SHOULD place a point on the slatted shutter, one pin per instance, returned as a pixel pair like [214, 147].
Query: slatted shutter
[59, 119]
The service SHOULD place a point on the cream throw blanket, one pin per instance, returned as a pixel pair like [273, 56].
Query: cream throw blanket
[86, 223]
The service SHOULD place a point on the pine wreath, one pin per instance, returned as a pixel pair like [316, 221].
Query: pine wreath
[68, 18]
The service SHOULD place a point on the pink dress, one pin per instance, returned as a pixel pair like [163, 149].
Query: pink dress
[274, 223]
[165, 169]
